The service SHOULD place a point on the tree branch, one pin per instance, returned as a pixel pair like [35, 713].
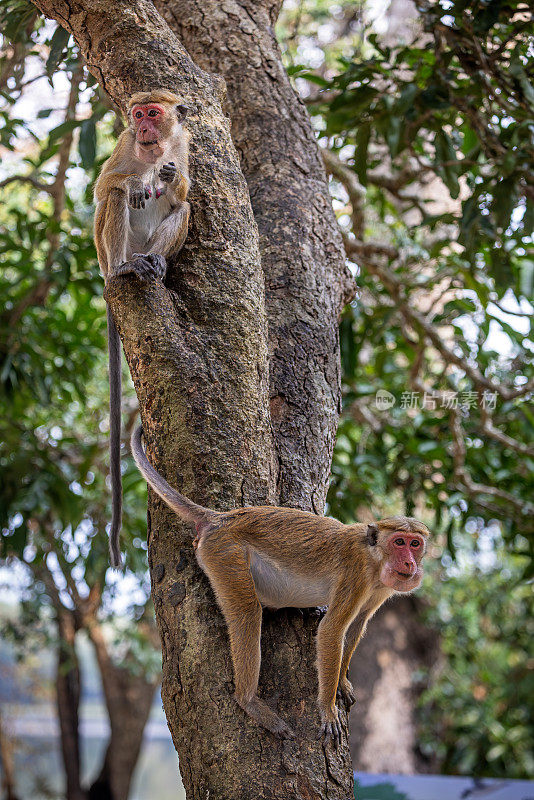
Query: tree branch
[414, 317]
[37, 184]
[468, 485]
[356, 192]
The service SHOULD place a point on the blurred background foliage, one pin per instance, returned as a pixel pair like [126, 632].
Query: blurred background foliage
[424, 118]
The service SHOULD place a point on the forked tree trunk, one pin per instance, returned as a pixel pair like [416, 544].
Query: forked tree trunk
[198, 355]
[302, 256]
[128, 697]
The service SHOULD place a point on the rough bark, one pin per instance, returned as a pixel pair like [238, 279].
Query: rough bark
[383, 728]
[302, 255]
[129, 699]
[198, 356]
[223, 754]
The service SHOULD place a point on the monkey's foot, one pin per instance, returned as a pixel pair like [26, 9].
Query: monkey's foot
[262, 714]
[157, 262]
[146, 267]
[345, 694]
[331, 730]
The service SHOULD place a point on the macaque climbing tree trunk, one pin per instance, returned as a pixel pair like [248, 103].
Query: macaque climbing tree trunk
[200, 356]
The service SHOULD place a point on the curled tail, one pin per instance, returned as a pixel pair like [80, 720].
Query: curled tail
[114, 350]
[182, 506]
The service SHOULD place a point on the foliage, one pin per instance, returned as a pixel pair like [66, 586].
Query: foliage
[430, 149]
[459, 102]
[53, 376]
[475, 716]
[429, 146]
[318, 33]
[53, 371]
[53, 393]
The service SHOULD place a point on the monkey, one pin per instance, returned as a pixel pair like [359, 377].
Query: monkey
[265, 556]
[141, 217]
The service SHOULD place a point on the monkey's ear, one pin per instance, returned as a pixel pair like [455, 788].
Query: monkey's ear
[182, 112]
[371, 536]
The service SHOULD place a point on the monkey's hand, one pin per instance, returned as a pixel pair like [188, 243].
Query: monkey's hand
[168, 172]
[345, 693]
[331, 729]
[137, 194]
[147, 267]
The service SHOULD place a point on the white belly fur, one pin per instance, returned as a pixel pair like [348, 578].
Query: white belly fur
[145, 221]
[279, 588]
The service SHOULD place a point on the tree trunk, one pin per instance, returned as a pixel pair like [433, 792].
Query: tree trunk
[198, 356]
[68, 703]
[302, 255]
[129, 699]
[7, 761]
[383, 729]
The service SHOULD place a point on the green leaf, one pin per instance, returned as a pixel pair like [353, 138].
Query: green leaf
[446, 162]
[60, 130]
[394, 135]
[526, 281]
[87, 143]
[517, 70]
[58, 44]
[363, 136]
[470, 140]
[406, 100]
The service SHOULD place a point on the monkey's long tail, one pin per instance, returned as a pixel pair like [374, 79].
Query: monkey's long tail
[115, 391]
[185, 508]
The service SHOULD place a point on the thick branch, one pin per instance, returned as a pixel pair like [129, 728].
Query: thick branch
[37, 184]
[490, 430]
[356, 192]
[302, 257]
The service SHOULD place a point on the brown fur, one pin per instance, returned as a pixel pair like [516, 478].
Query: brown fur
[123, 172]
[136, 233]
[261, 555]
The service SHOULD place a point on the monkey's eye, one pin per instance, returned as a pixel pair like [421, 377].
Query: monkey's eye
[415, 543]
[153, 113]
[138, 114]
[399, 542]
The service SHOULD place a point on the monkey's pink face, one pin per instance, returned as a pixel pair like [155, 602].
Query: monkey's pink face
[148, 121]
[402, 571]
